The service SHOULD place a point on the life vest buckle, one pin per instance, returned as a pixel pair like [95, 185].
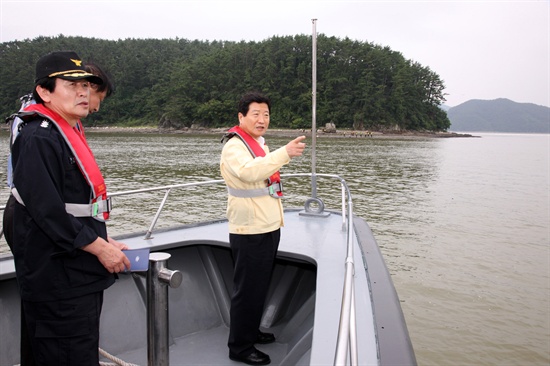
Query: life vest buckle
[101, 206]
[95, 208]
[276, 190]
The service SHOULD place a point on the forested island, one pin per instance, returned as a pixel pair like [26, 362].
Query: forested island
[179, 83]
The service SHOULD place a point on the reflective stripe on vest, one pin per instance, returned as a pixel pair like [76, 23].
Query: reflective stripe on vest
[99, 206]
[257, 192]
[77, 209]
[274, 185]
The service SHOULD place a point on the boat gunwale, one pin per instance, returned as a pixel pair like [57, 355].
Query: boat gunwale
[372, 259]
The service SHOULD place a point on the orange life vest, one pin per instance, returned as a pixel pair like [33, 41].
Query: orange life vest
[274, 185]
[99, 206]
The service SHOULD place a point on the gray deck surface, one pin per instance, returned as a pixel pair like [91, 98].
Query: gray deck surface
[319, 241]
[311, 263]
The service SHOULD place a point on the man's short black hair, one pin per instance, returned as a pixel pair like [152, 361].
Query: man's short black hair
[253, 97]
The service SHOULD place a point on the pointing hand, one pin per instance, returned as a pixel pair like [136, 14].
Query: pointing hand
[296, 147]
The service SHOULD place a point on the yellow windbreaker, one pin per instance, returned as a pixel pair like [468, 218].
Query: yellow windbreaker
[240, 170]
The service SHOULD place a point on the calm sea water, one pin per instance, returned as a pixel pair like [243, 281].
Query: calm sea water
[464, 225]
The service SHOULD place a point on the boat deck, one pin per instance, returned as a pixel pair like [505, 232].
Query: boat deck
[302, 308]
[304, 320]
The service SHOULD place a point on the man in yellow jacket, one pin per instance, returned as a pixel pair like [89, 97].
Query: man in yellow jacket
[255, 216]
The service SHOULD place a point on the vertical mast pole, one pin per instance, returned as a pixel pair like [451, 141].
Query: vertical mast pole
[314, 109]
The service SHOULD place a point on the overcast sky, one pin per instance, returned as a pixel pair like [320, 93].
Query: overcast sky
[481, 49]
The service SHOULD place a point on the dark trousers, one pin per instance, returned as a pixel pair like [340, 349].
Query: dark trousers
[7, 221]
[65, 332]
[254, 257]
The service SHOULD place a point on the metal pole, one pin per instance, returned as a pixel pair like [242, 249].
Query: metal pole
[157, 215]
[158, 279]
[314, 109]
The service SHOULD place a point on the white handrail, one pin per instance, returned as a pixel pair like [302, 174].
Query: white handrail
[347, 335]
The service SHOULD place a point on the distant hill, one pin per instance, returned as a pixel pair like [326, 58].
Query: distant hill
[499, 115]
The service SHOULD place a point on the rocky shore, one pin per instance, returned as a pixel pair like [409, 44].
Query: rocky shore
[283, 132]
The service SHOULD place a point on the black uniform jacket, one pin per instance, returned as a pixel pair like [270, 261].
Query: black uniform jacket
[49, 264]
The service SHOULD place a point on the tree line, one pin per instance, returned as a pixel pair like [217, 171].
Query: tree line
[179, 83]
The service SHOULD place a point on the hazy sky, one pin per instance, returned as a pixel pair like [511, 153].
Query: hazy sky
[481, 49]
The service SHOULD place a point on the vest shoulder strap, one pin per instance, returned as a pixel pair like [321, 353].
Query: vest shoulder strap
[274, 185]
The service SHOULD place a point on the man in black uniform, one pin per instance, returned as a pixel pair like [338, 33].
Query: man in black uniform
[63, 256]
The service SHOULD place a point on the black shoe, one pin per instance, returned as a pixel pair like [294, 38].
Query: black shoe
[265, 338]
[255, 358]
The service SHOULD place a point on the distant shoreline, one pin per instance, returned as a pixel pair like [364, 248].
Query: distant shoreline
[282, 132]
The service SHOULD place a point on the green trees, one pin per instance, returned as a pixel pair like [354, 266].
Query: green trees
[178, 82]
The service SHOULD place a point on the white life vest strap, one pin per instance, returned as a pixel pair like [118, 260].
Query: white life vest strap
[257, 192]
[77, 209]
[88, 209]
[16, 195]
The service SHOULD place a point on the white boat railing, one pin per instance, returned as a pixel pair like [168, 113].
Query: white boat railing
[347, 335]
[168, 189]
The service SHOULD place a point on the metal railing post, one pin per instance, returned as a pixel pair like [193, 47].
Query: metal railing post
[158, 279]
[157, 215]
